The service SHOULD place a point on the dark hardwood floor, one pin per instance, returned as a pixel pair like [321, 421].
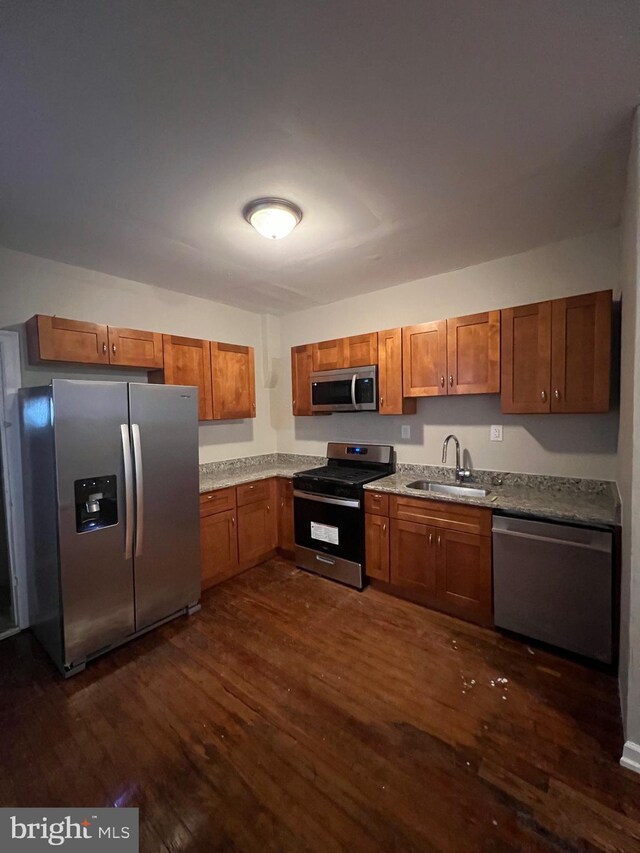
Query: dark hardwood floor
[294, 714]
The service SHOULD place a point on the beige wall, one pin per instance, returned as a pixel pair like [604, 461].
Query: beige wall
[30, 285]
[629, 451]
[571, 445]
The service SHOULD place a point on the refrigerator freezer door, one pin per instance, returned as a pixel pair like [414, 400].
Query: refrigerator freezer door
[96, 577]
[164, 428]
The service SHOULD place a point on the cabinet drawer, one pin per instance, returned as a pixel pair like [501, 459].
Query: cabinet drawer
[376, 503]
[248, 493]
[452, 516]
[218, 501]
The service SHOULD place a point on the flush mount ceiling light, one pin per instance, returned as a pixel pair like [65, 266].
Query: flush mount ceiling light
[274, 218]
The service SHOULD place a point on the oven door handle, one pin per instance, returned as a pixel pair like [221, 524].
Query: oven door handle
[353, 389]
[322, 499]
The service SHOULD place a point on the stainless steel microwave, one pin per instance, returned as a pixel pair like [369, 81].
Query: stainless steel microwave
[353, 389]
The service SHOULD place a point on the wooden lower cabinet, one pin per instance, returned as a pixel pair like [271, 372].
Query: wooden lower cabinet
[286, 535]
[444, 564]
[414, 559]
[218, 547]
[257, 532]
[376, 529]
[464, 576]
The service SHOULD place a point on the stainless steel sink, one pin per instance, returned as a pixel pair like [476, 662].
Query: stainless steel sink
[460, 489]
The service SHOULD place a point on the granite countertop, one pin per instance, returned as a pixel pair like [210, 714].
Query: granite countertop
[556, 498]
[234, 472]
[559, 499]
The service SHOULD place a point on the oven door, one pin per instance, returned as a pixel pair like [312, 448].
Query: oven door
[329, 536]
[344, 390]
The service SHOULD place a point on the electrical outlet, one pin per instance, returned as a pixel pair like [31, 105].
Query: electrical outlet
[495, 432]
[405, 431]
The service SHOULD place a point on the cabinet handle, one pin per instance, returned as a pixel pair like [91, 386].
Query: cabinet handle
[381, 402]
[451, 380]
[384, 527]
[268, 508]
[233, 520]
[282, 504]
[209, 497]
[439, 540]
[442, 381]
[251, 487]
[556, 394]
[104, 348]
[113, 348]
[543, 395]
[294, 402]
[430, 538]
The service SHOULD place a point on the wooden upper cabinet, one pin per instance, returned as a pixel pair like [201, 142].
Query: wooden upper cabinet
[301, 367]
[390, 395]
[135, 348]
[57, 339]
[473, 354]
[233, 381]
[187, 361]
[556, 356]
[581, 353]
[360, 350]
[424, 354]
[526, 359]
[355, 351]
[328, 355]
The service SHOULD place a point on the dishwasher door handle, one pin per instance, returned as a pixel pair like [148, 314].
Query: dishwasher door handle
[570, 543]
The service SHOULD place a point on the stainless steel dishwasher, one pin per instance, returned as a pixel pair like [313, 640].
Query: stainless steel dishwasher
[553, 582]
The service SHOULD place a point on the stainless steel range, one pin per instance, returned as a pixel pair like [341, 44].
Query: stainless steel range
[329, 510]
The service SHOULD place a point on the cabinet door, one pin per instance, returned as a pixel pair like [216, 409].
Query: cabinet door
[360, 350]
[424, 359]
[233, 381]
[187, 362]
[391, 399]
[56, 339]
[134, 348]
[218, 547]
[301, 367]
[413, 559]
[376, 531]
[526, 359]
[329, 355]
[257, 532]
[581, 353]
[285, 515]
[464, 575]
[473, 354]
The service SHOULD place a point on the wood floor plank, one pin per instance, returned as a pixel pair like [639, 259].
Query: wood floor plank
[294, 714]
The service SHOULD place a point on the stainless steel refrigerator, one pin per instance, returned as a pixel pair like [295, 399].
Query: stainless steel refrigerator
[112, 511]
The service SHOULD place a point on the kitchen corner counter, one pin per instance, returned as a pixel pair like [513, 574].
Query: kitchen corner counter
[235, 472]
[552, 498]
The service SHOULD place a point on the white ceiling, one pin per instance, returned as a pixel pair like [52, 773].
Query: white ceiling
[417, 137]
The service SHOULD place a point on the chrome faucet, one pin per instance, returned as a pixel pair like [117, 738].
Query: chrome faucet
[461, 473]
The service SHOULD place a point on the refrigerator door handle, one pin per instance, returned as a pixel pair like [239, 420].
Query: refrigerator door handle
[128, 491]
[137, 457]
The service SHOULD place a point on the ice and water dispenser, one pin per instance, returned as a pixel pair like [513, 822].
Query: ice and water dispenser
[96, 503]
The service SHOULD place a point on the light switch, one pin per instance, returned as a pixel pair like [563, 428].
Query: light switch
[495, 432]
[405, 431]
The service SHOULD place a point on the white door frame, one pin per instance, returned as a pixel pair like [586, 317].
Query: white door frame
[10, 381]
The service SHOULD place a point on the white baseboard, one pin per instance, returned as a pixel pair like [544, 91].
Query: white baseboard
[631, 756]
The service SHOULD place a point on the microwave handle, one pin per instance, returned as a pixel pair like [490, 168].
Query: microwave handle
[353, 389]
